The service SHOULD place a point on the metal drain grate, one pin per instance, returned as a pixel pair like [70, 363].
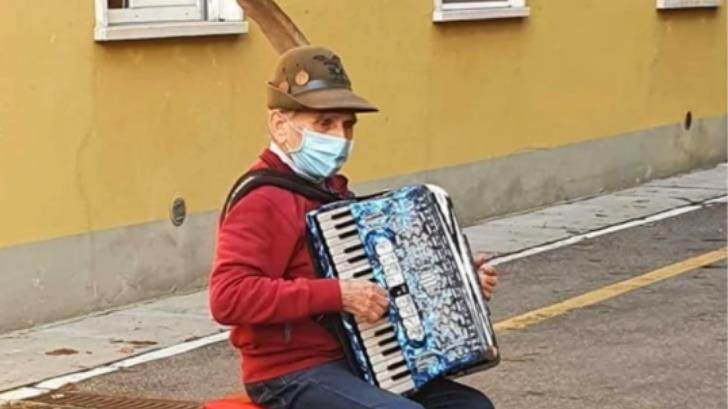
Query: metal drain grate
[93, 401]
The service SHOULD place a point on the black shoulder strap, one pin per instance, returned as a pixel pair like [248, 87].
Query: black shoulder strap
[284, 180]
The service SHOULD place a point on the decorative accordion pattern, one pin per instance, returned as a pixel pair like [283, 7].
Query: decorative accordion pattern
[409, 242]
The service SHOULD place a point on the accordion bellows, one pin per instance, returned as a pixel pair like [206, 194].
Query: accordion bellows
[408, 241]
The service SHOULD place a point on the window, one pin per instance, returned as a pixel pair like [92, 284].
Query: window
[682, 4]
[455, 10]
[138, 19]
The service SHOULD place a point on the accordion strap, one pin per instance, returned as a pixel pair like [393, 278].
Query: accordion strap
[284, 180]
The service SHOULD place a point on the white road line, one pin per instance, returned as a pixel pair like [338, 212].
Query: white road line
[55, 383]
[601, 232]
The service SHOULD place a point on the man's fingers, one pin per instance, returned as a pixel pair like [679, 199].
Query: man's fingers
[488, 281]
[488, 269]
[479, 260]
[382, 302]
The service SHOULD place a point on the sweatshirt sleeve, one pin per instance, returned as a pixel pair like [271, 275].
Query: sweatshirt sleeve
[254, 246]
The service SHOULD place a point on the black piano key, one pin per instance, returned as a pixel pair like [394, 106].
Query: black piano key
[387, 341]
[405, 373]
[397, 365]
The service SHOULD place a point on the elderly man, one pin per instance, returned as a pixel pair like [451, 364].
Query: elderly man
[263, 282]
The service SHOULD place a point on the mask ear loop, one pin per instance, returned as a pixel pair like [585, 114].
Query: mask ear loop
[300, 131]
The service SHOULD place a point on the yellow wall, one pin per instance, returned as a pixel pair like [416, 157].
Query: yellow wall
[95, 136]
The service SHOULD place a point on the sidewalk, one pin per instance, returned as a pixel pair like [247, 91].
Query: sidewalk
[103, 343]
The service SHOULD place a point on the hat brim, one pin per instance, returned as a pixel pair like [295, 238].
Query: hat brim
[332, 99]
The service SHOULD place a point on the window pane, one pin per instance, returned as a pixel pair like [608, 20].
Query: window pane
[117, 4]
[472, 1]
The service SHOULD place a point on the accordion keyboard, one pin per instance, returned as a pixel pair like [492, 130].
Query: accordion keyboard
[350, 261]
[437, 322]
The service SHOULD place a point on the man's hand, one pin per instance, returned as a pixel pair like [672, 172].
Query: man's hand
[487, 274]
[366, 300]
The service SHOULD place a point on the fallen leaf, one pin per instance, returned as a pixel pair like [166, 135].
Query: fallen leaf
[142, 343]
[62, 351]
[126, 350]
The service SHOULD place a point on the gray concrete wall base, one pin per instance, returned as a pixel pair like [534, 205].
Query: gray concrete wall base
[537, 178]
[61, 278]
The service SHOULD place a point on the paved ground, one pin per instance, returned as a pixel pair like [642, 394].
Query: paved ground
[663, 346]
[660, 346]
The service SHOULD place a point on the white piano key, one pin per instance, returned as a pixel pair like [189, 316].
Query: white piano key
[349, 244]
[402, 387]
[363, 326]
[386, 376]
[338, 233]
[370, 333]
[333, 214]
[335, 242]
[346, 266]
[364, 275]
[335, 222]
[382, 368]
[349, 256]
[385, 338]
[387, 349]
[379, 354]
[357, 273]
[387, 379]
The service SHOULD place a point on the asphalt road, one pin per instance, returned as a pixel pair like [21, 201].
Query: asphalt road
[661, 346]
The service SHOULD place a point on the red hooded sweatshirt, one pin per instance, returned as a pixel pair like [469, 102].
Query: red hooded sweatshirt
[263, 282]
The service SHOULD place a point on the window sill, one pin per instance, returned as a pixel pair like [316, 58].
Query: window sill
[441, 16]
[685, 4]
[166, 30]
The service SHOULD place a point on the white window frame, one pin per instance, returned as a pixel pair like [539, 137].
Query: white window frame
[479, 10]
[686, 4]
[168, 18]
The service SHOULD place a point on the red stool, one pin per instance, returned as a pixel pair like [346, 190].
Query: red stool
[238, 401]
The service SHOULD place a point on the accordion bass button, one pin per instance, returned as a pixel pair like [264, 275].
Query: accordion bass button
[383, 246]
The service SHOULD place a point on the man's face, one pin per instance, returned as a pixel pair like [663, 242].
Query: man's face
[285, 126]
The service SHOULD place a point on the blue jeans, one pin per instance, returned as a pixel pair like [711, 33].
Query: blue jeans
[333, 386]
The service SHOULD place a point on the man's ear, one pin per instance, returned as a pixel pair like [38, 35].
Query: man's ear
[277, 127]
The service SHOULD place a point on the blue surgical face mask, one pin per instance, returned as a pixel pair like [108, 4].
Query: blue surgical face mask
[320, 155]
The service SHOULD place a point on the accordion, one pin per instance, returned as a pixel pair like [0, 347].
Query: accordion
[408, 242]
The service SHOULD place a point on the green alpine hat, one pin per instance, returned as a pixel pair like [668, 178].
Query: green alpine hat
[313, 78]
